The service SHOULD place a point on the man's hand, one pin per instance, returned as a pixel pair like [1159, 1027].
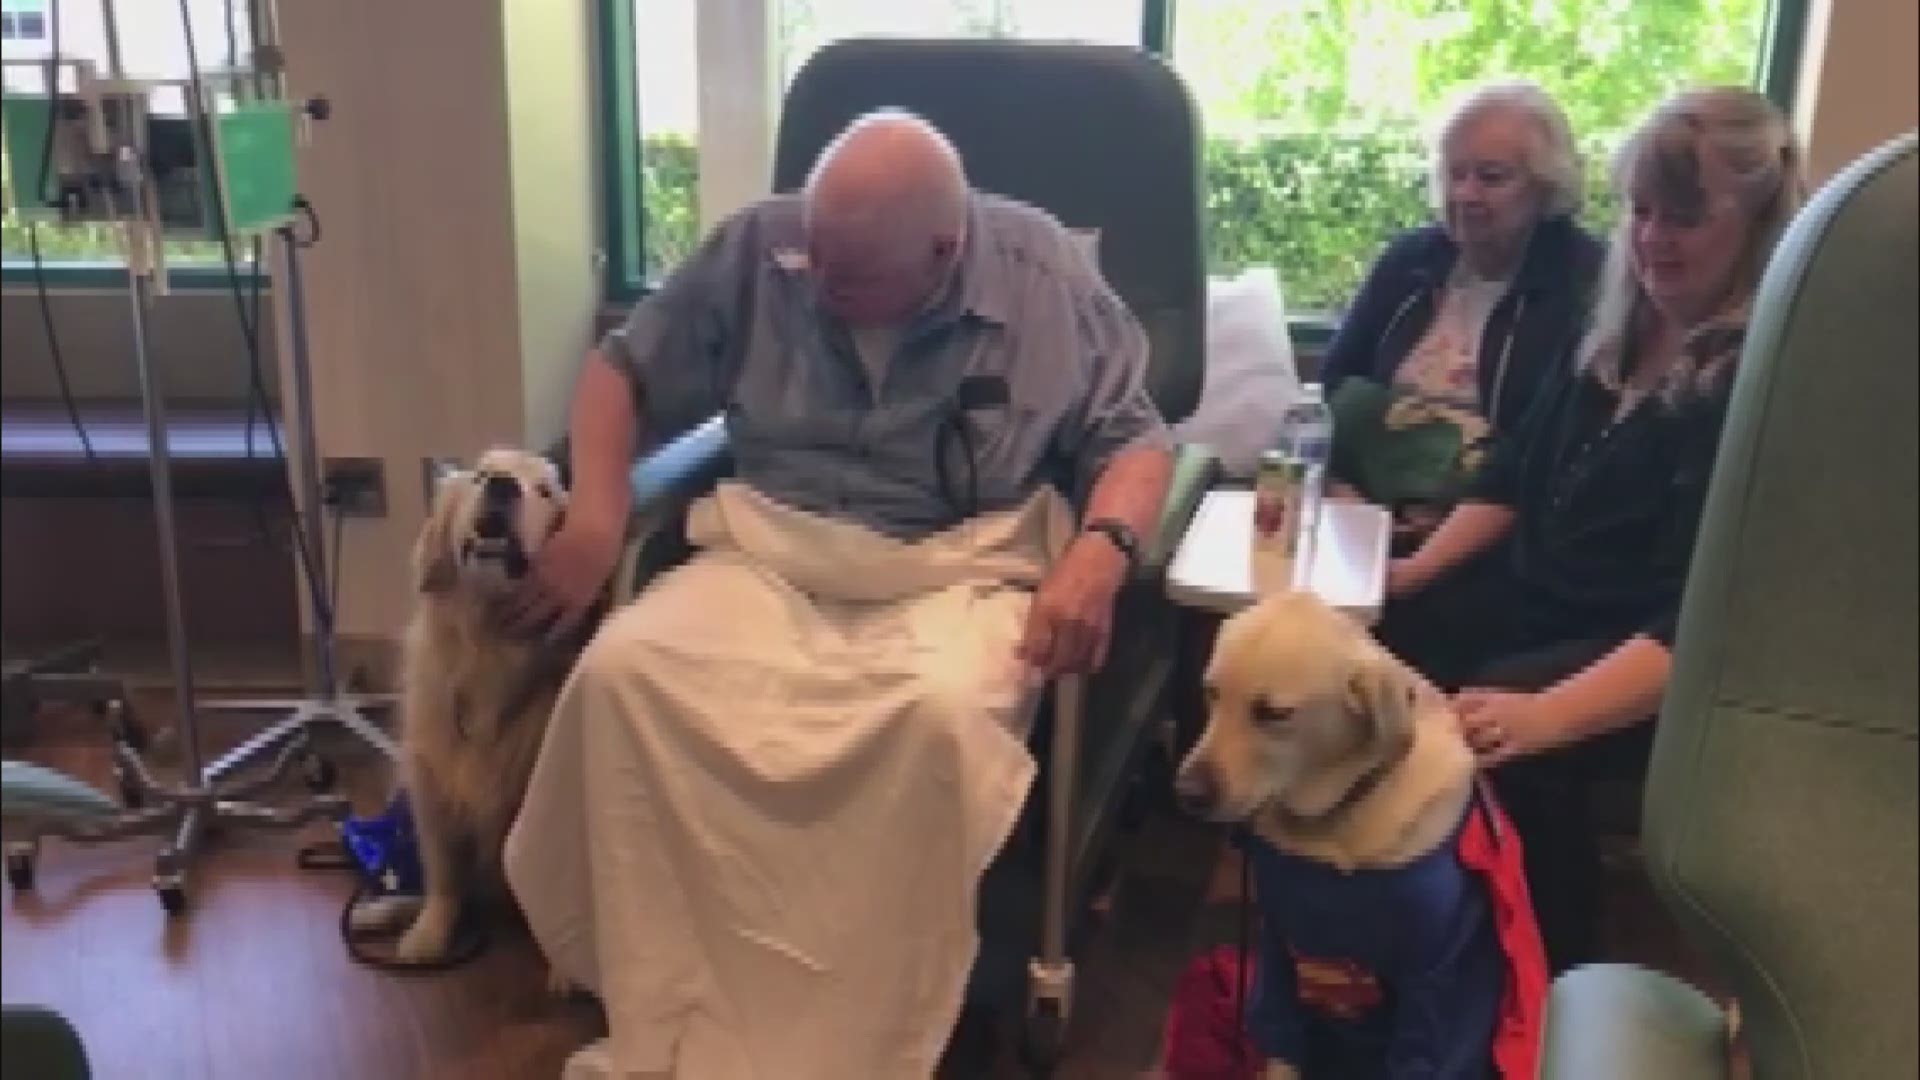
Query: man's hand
[565, 579]
[1501, 725]
[1071, 619]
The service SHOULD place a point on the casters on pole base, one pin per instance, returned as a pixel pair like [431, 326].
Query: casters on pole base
[21, 858]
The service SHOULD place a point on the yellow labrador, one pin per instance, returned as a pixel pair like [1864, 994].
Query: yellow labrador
[475, 702]
[1325, 745]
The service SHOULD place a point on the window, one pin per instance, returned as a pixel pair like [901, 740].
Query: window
[652, 70]
[808, 24]
[1315, 109]
[153, 46]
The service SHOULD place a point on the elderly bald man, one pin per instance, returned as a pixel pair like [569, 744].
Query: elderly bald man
[759, 819]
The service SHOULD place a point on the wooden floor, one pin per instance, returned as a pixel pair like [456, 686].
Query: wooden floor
[253, 983]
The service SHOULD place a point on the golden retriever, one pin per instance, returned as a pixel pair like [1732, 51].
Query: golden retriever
[474, 701]
[1325, 745]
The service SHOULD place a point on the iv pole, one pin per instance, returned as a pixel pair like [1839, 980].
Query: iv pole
[327, 702]
[202, 798]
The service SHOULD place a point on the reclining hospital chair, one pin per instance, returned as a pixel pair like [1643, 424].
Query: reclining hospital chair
[1106, 138]
[1780, 802]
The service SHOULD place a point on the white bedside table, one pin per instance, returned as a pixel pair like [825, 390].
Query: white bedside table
[1213, 570]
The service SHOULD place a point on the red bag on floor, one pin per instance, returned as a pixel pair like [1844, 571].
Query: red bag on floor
[1206, 1038]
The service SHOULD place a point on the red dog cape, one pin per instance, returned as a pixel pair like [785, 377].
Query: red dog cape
[1206, 1036]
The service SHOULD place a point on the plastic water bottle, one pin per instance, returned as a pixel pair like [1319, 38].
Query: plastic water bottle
[1306, 434]
[1303, 448]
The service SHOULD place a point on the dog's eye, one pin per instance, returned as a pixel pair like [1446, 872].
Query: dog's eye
[544, 490]
[1267, 715]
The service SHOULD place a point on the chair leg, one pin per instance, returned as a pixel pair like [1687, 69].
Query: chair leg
[1050, 975]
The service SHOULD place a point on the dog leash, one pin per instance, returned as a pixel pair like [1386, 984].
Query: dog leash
[333, 855]
[1240, 989]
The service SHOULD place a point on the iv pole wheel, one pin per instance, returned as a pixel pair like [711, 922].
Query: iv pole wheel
[20, 866]
[125, 728]
[319, 773]
[132, 795]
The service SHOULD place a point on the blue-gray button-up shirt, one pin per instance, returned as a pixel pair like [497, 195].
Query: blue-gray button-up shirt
[737, 329]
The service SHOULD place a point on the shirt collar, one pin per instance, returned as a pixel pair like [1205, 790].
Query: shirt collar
[982, 288]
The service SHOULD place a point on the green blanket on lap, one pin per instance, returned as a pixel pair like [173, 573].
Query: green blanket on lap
[1393, 465]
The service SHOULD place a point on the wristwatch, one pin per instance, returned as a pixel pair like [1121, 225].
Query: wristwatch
[1122, 536]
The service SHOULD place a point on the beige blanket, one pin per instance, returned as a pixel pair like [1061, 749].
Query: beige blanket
[761, 814]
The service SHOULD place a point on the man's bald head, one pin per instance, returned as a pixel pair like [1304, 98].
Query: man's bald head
[886, 213]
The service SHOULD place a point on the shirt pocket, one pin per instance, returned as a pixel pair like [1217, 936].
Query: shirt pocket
[1005, 444]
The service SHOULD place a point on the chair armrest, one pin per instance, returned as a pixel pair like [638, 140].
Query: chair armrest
[680, 470]
[664, 483]
[1195, 469]
[1612, 1020]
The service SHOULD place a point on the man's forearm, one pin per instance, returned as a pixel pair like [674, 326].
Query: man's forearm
[1132, 488]
[605, 430]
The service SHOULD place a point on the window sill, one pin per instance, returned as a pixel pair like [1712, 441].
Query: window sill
[75, 274]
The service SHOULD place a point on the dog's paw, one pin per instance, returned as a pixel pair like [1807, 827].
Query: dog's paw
[1279, 1070]
[382, 914]
[430, 936]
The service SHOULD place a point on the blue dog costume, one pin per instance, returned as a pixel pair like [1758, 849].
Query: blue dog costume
[1434, 968]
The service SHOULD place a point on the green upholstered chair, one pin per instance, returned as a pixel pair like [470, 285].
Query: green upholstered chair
[1108, 140]
[1780, 813]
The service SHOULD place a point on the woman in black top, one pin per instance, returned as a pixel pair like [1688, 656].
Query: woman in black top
[1547, 598]
[1462, 322]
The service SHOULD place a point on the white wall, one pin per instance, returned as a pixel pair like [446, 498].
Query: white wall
[452, 298]
[1859, 79]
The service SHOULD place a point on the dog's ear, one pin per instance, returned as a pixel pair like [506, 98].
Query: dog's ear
[434, 565]
[1380, 696]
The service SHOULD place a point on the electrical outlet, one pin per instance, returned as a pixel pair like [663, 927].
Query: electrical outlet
[356, 486]
[433, 469]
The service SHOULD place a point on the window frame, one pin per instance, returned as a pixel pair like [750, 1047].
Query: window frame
[1777, 74]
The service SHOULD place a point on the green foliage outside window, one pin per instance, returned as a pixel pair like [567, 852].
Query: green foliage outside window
[1316, 112]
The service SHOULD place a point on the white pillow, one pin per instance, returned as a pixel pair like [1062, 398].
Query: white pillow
[1251, 376]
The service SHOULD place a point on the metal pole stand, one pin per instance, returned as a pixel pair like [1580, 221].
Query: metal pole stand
[328, 702]
[201, 800]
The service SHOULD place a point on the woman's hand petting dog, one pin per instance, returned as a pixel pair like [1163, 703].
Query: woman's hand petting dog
[1501, 725]
[564, 580]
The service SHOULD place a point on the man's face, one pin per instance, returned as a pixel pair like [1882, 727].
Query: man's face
[868, 278]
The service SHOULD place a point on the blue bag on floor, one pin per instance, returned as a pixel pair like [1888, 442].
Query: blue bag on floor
[384, 850]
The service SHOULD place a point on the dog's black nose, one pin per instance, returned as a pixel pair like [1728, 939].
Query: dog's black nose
[501, 489]
[1194, 789]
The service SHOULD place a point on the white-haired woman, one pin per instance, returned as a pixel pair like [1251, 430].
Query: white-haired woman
[1460, 323]
[1559, 643]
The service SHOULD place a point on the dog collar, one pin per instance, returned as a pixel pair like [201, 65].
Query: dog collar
[1361, 789]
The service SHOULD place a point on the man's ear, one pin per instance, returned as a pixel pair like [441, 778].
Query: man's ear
[435, 567]
[1380, 696]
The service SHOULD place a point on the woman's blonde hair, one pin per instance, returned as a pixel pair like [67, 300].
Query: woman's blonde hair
[1739, 135]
